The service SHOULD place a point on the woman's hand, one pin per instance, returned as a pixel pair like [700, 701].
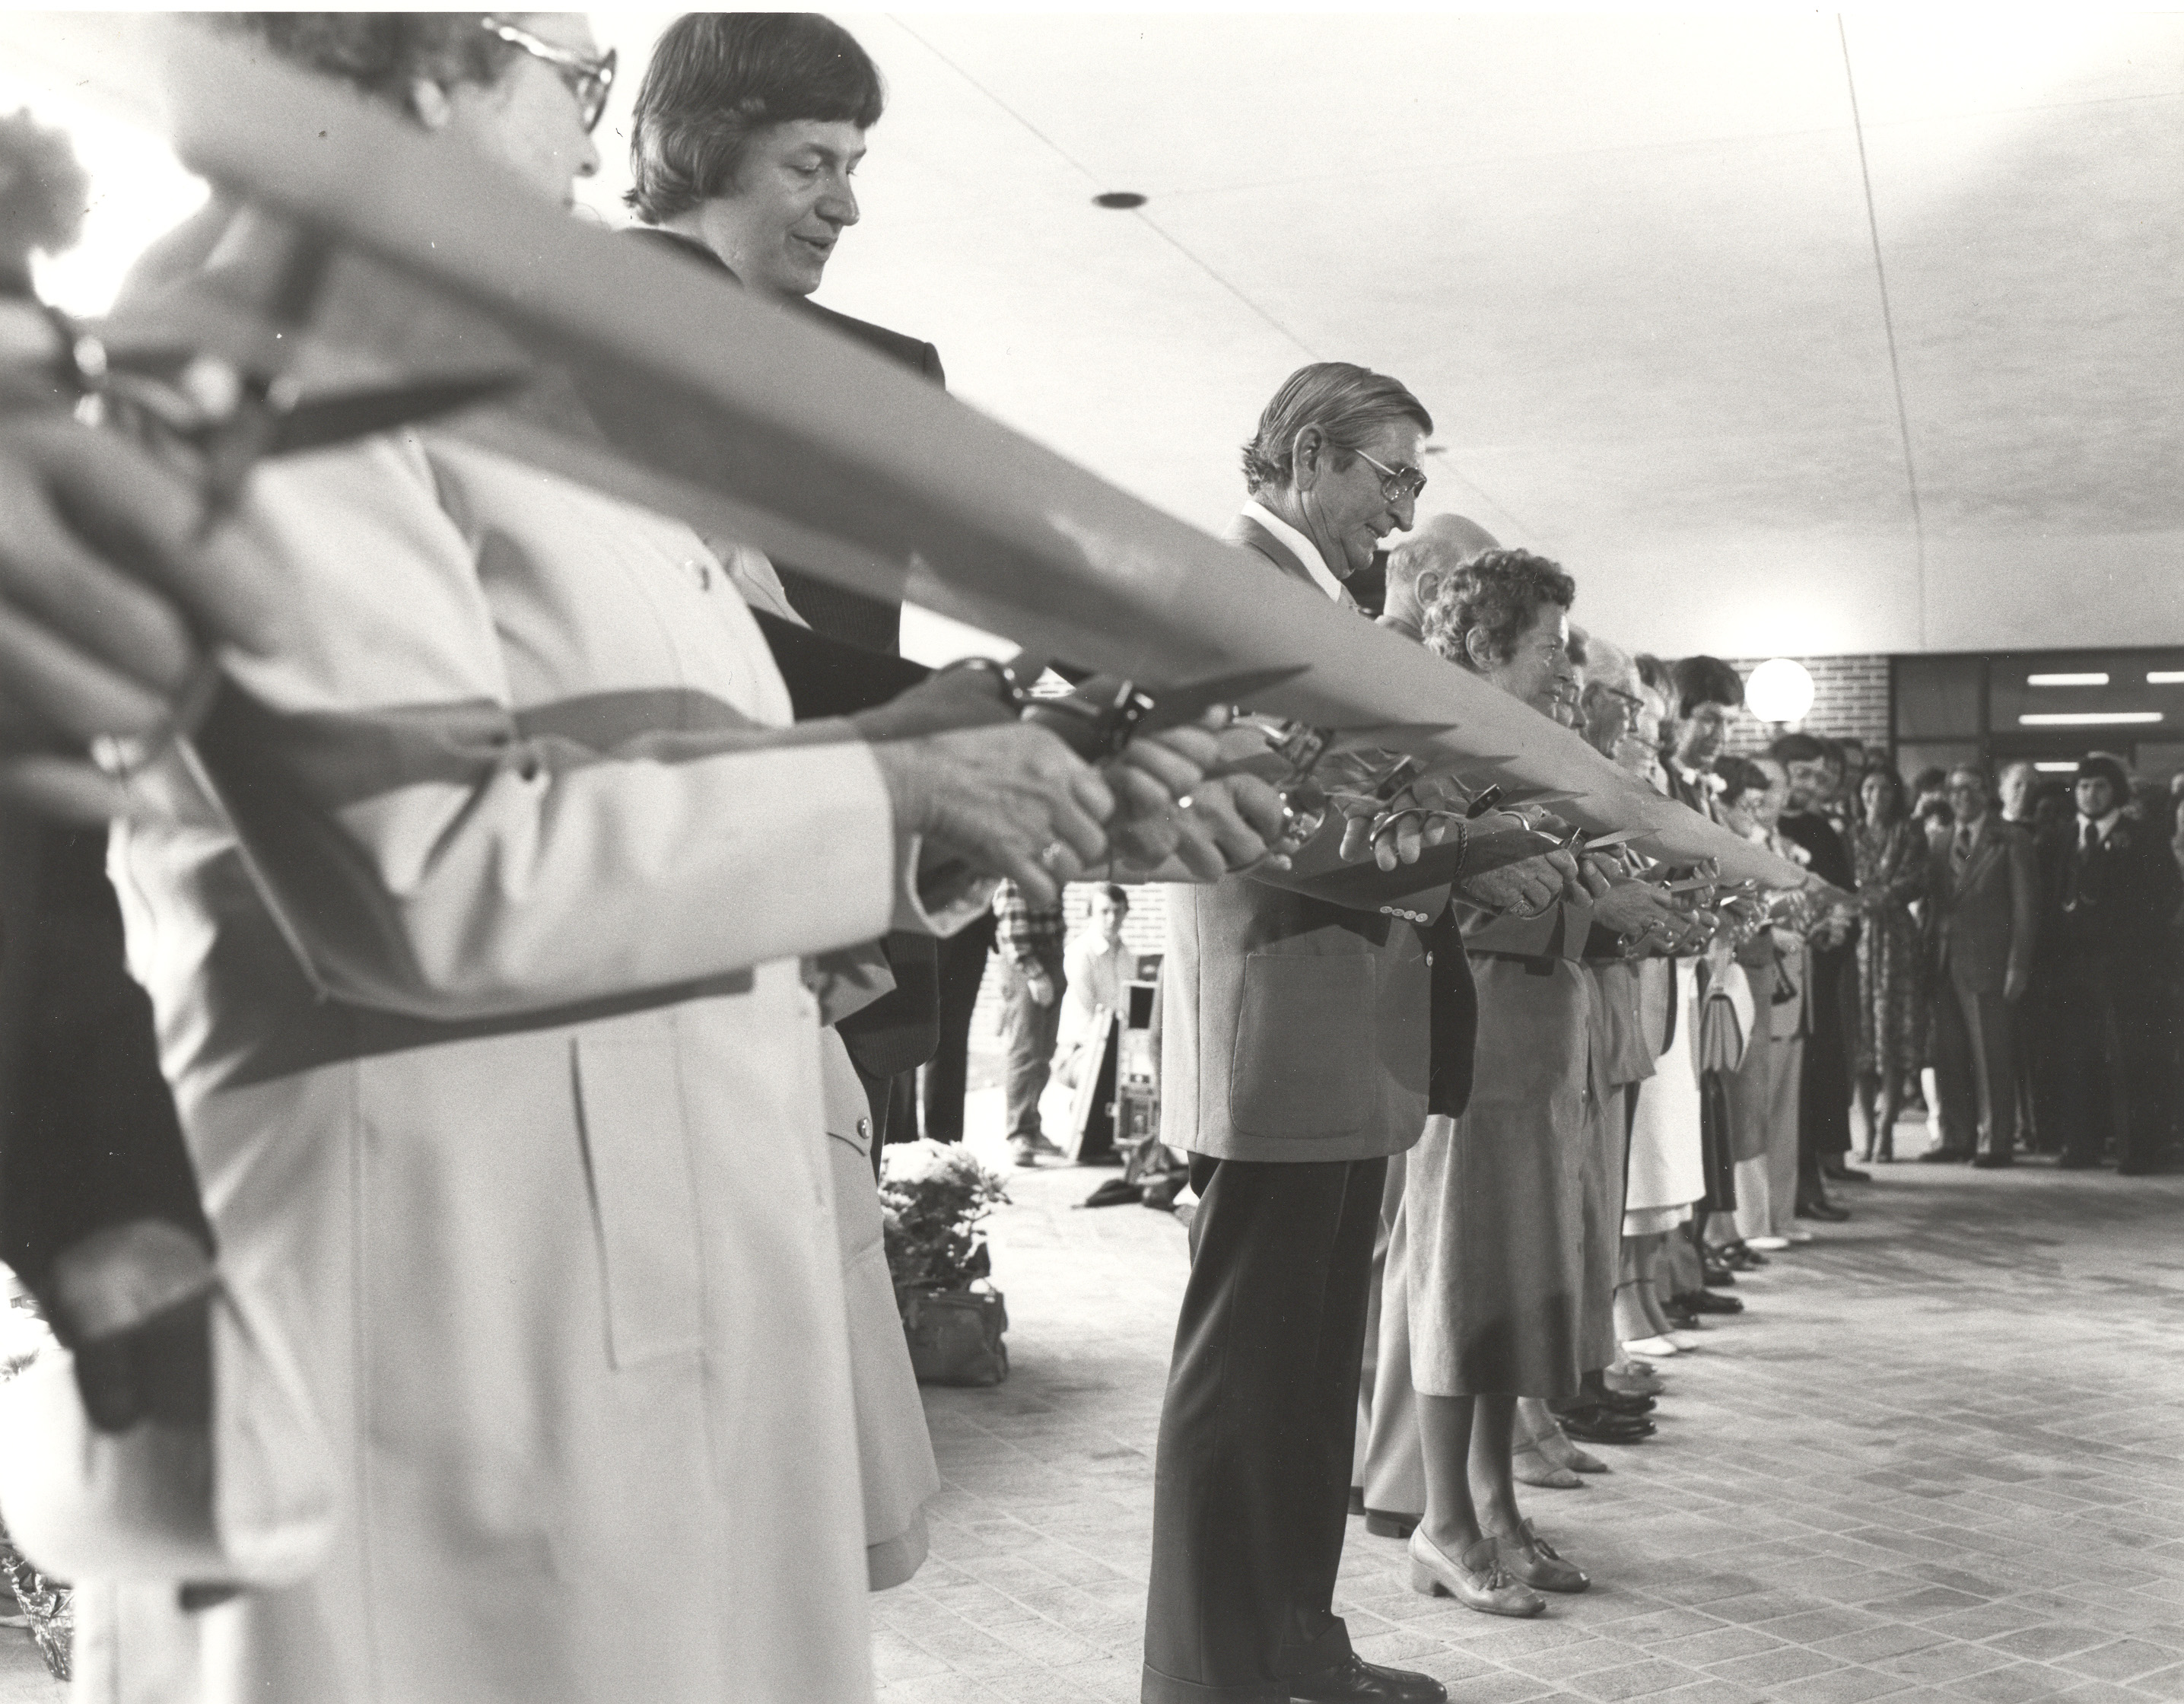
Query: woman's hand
[109, 600]
[1010, 800]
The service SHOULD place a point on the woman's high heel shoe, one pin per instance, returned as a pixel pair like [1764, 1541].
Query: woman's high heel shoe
[1555, 1444]
[1530, 1558]
[1487, 1587]
[1530, 1465]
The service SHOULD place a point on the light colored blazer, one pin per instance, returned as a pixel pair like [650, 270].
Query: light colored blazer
[1982, 925]
[1295, 1029]
[508, 1110]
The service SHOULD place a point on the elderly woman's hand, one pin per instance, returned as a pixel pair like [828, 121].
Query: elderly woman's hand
[109, 600]
[1010, 800]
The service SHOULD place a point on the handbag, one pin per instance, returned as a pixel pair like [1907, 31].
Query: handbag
[956, 1335]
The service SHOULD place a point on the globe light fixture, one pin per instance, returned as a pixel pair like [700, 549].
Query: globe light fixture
[1780, 690]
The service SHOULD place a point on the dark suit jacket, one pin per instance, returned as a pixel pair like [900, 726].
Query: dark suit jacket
[870, 622]
[2113, 906]
[1296, 1028]
[901, 1029]
[1982, 925]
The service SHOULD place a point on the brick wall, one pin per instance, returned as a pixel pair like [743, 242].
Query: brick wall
[1850, 701]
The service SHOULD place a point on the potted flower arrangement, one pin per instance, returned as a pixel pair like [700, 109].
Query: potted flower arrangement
[932, 1197]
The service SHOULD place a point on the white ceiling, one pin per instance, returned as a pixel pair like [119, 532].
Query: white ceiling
[1626, 262]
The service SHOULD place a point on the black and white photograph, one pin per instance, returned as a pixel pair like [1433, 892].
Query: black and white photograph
[1092, 857]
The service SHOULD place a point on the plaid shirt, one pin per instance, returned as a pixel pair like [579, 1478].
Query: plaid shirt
[1029, 936]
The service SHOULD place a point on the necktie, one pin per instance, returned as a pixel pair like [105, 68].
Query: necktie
[1961, 854]
[2074, 891]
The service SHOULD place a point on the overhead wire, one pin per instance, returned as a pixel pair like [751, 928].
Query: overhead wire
[1888, 326]
[1166, 236]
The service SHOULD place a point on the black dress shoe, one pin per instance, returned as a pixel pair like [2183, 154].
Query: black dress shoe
[1841, 1173]
[1945, 1156]
[1706, 1301]
[1991, 1163]
[1357, 1499]
[1598, 1426]
[1386, 1523]
[1743, 1258]
[1823, 1211]
[1721, 1277]
[1366, 1681]
[1614, 1401]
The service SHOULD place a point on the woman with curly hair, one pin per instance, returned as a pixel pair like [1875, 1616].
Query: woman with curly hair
[1493, 1200]
[1889, 849]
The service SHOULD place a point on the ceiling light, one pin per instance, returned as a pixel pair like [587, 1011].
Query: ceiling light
[2057, 768]
[2066, 680]
[2164, 677]
[2089, 718]
[1119, 199]
[1780, 689]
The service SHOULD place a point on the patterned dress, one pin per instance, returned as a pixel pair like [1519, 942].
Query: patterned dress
[1891, 1005]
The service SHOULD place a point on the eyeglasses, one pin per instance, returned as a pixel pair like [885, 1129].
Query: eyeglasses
[1396, 483]
[588, 78]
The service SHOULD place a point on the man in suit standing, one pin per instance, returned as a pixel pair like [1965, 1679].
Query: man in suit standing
[1981, 912]
[2115, 890]
[1295, 1062]
[747, 129]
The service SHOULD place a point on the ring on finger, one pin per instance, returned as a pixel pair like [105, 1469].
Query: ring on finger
[1050, 855]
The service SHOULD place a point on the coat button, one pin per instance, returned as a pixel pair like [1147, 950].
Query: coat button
[865, 1128]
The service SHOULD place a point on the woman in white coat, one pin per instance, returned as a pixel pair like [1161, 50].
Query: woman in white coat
[498, 1066]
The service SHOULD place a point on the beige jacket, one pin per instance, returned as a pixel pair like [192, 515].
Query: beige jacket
[508, 1106]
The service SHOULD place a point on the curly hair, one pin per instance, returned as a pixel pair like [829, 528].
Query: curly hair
[717, 79]
[1740, 775]
[380, 53]
[1497, 594]
[1347, 402]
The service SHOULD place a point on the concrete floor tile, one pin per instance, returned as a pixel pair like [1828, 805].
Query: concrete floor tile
[1814, 1522]
[1634, 1680]
[1772, 1667]
[2018, 1683]
[2047, 1642]
[2125, 1659]
[1842, 1686]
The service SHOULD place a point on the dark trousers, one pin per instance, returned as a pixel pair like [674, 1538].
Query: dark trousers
[1975, 1070]
[2110, 1067]
[963, 970]
[1823, 1091]
[1032, 1029]
[1252, 1487]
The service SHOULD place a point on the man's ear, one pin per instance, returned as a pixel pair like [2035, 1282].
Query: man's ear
[429, 103]
[1307, 457]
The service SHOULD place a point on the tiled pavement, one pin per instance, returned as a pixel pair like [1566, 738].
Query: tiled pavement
[1941, 1456]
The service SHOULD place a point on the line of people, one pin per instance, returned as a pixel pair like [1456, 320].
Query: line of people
[508, 912]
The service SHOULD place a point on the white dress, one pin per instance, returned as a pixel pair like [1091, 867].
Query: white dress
[510, 1122]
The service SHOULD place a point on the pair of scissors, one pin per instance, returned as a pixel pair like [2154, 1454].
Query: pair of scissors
[1099, 717]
